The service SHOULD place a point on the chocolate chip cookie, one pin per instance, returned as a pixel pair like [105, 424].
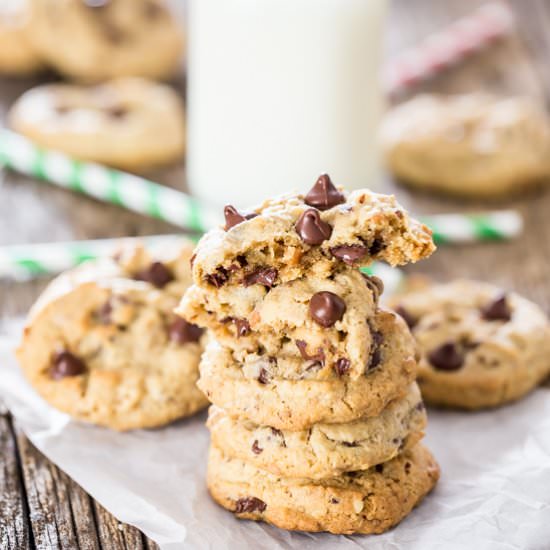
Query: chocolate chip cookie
[116, 123]
[103, 344]
[323, 450]
[480, 346]
[312, 234]
[94, 40]
[473, 145]
[258, 390]
[367, 501]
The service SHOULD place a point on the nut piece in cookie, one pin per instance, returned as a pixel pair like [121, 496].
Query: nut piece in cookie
[473, 145]
[480, 347]
[103, 344]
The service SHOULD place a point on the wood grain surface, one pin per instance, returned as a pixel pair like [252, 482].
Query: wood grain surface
[40, 506]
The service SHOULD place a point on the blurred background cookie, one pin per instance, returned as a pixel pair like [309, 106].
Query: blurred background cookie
[103, 344]
[480, 346]
[129, 122]
[95, 40]
[473, 145]
[17, 54]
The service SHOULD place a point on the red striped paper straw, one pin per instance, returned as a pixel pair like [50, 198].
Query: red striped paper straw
[448, 47]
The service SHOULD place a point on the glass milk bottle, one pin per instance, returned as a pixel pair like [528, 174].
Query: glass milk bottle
[280, 91]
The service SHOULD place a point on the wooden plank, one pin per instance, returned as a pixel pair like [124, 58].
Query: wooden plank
[116, 535]
[14, 523]
[60, 511]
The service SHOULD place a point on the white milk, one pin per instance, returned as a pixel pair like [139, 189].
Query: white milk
[280, 91]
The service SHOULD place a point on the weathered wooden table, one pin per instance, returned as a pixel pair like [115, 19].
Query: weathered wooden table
[40, 507]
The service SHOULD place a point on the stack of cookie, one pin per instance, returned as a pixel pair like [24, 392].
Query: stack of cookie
[316, 416]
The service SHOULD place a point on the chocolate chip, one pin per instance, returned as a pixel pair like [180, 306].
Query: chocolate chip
[311, 228]
[263, 377]
[319, 357]
[376, 246]
[446, 357]
[263, 275]
[326, 308]
[249, 504]
[342, 366]
[375, 284]
[407, 467]
[66, 364]
[497, 310]
[117, 111]
[104, 313]
[349, 254]
[379, 468]
[350, 444]
[62, 109]
[233, 217]
[256, 449]
[375, 357]
[278, 434]
[407, 316]
[324, 195]
[420, 405]
[157, 274]
[152, 10]
[182, 332]
[334, 500]
[243, 327]
[241, 260]
[219, 278]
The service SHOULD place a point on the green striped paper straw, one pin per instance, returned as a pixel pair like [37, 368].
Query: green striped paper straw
[23, 262]
[468, 228]
[28, 261]
[106, 184]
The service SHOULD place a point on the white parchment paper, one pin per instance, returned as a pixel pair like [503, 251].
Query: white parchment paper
[494, 492]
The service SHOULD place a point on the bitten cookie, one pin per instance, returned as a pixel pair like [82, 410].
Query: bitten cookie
[480, 346]
[324, 450]
[257, 390]
[103, 345]
[311, 234]
[473, 145]
[94, 40]
[368, 501]
[130, 123]
[17, 55]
